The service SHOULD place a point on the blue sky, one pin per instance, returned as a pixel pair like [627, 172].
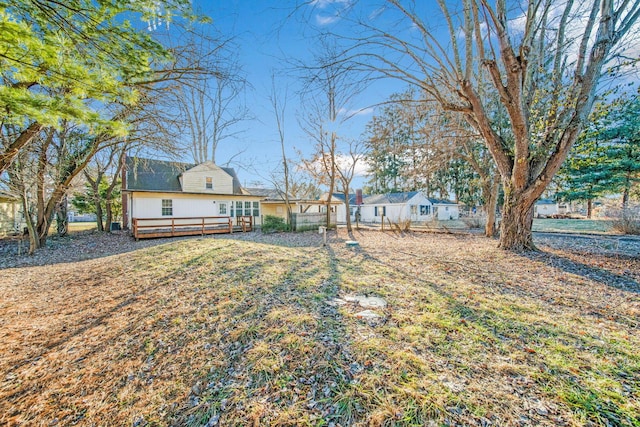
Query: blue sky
[268, 33]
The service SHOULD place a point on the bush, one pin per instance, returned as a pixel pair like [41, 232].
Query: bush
[474, 222]
[627, 222]
[273, 224]
[403, 225]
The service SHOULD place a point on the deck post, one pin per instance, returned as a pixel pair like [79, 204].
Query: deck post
[173, 222]
[202, 226]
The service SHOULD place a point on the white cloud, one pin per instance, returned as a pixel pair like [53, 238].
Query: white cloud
[332, 10]
[326, 20]
[519, 23]
[323, 4]
[356, 112]
[377, 12]
[344, 162]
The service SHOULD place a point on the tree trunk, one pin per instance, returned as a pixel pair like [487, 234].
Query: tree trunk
[99, 222]
[62, 220]
[348, 215]
[589, 208]
[109, 214]
[34, 242]
[332, 176]
[625, 192]
[517, 222]
[25, 138]
[491, 198]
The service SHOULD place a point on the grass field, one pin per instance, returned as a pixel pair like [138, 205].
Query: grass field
[572, 225]
[219, 331]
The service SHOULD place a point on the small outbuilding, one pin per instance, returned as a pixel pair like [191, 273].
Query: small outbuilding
[11, 218]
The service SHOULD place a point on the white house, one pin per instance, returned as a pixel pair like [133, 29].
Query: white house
[11, 218]
[547, 208]
[163, 190]
[412, 205]
[339, 206]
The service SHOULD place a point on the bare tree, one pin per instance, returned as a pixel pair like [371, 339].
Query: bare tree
[330, 87]
[211, 110]
[346, 166]
[544, 62]
[279, 105]
[455, 139]
[211, 103]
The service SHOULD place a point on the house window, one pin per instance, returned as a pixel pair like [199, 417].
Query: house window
[256, 208]
[167, 207]
[377, 211]
[413, 209]
[222, 210]
[425, 210]
[208, 183]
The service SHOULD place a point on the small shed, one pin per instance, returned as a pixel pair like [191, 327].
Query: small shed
[11, 218]
[545, 208]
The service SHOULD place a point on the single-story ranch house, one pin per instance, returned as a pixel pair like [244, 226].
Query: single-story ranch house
[412, 205]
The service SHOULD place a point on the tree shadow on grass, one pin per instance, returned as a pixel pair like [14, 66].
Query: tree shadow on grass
[589, 272]
[511, 332]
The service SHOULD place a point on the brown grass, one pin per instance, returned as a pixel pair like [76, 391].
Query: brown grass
[221, 331]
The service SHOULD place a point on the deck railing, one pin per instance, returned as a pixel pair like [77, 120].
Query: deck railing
[245, 222]
[144, 228]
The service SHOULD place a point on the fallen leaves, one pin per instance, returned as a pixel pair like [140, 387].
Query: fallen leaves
[246, 329]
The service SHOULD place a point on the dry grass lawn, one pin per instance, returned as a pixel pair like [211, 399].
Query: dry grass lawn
[242, 330]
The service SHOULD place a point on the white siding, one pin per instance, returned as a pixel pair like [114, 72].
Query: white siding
[144, 205]
[194, 180]
[447, 212]
[546, 209]
[10, 217]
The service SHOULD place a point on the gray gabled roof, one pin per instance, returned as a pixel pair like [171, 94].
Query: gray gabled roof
[352, 198]
[160, 175]
[154, 175]
[267, 193]
[390, 198]
[440, 201]
[545, 202]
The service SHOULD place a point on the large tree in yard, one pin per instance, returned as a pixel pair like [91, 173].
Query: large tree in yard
[63, 60]
[543, 59]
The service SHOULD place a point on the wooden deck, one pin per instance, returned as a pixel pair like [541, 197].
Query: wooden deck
[147, 228]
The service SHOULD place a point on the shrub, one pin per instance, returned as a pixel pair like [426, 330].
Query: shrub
[403, 225]
[474, 222]
[273, 224]
[627, 222]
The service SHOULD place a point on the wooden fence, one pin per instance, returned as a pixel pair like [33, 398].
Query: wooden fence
[308, 221]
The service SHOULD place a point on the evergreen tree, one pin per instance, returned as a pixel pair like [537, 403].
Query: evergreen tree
[94, 200]
[622, 142]
[606, 157]
[63, 61]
